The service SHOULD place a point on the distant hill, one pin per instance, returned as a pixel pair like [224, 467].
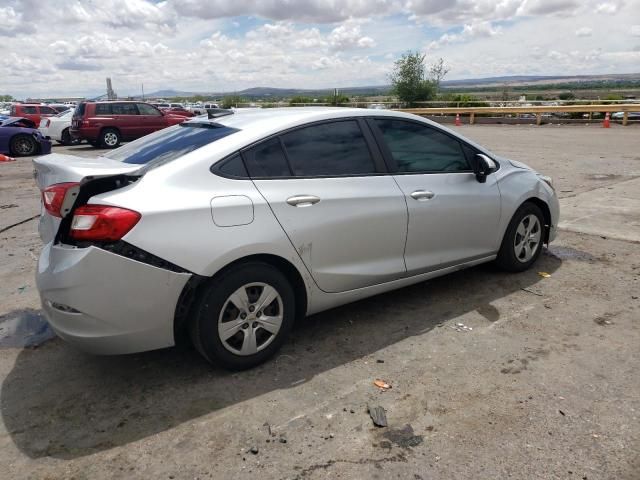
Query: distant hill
[264, 93]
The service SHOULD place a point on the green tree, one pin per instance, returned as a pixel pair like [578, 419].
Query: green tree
[566, 96]
[299, 99]
[335, 99]
[232, 100]
[6, 98]
[409, 80]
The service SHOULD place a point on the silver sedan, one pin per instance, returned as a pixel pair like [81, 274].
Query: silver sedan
[231, 226]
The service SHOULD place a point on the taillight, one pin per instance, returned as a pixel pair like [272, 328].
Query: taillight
[102, 223]
[53, 197]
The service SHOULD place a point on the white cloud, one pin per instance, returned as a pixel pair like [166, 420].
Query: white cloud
[69, 46]
[584, 32]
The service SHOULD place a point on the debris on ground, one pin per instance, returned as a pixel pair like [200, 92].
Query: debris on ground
[254, 450]
[544, 274]
[382, 384]
[529, 290]
[378, 416]
[404, 437]
[461, 327]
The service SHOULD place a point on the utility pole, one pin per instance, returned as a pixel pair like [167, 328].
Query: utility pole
[143, 92]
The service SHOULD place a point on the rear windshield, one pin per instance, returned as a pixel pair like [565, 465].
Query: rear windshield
[170, 143]
[79, 112]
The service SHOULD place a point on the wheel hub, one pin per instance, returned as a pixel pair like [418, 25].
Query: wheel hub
[250, 319]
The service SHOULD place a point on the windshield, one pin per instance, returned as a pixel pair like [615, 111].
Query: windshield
[65, 113]
[170, 143]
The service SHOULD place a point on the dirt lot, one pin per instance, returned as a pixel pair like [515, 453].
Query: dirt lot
[545, 385]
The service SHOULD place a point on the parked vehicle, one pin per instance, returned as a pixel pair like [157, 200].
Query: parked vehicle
[58, 128]
[179, 111]
[233, 226]
[630, 116]
[106, 124]
[19, 137]
[32, 111]
[201, 109]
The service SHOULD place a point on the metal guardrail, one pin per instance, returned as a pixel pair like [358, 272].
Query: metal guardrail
[538, 110]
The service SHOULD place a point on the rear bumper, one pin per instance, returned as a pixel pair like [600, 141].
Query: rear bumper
[107, 304]
[84, 133]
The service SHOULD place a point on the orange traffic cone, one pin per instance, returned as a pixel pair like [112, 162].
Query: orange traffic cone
[607, 121]
[458, 122]
[4, 158]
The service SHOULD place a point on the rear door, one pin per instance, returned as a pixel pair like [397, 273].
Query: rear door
[127, 120]
[326, 185]
[452, 217]
[151, 119]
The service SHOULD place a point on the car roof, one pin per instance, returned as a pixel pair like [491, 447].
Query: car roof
[264, 119]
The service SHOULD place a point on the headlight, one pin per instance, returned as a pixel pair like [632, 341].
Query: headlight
[547, 180]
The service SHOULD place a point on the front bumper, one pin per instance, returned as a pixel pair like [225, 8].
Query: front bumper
[107, 304]
[45, 146]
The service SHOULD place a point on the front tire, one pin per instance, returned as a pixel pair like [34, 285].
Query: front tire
[23, 146]
[110, 138]
[243, 316]
[522, 242]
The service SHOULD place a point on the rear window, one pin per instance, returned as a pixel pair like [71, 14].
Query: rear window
[170, 143]
[79, 112]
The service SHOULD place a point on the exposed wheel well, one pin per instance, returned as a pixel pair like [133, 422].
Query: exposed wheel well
[542, 205]
[191, 289]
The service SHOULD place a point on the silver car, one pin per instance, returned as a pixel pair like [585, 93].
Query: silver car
[233, 226]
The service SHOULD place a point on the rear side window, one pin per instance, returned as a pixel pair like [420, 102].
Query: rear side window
[29, 110]
[124, 109]
[419, 148]
[267, 160]
[232, 167]
[169, 144]
[329, 149]
[102, 108]
[48, 111]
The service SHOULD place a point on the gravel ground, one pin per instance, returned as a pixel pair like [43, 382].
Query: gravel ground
[544, 384]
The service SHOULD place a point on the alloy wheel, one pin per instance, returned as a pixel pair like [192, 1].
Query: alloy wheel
[527, 238]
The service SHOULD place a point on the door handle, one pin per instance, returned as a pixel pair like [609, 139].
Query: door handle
[303, 200]
[422, 195]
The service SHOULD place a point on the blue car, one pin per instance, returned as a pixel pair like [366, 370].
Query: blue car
[20, 137]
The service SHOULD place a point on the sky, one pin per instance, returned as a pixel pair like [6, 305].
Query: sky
[68, 47]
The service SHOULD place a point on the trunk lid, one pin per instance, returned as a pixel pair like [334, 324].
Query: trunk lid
[58, 168]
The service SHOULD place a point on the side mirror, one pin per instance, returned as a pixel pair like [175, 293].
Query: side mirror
[483, 166]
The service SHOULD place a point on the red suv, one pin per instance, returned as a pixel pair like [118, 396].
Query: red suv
[32, 111]
[106, 124]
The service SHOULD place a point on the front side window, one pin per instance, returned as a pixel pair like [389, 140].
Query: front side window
[420, 148]
[47, 111]
[146, 109]
[29, 110]
[267, 160]
[329, 149]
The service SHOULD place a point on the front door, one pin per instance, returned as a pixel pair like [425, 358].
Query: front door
[346, 221]
[452, 217]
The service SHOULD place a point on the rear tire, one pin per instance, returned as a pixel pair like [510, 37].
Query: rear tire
[110, 138]
[243, 316]
[522, 242]
[23, 146]
[66, 138]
